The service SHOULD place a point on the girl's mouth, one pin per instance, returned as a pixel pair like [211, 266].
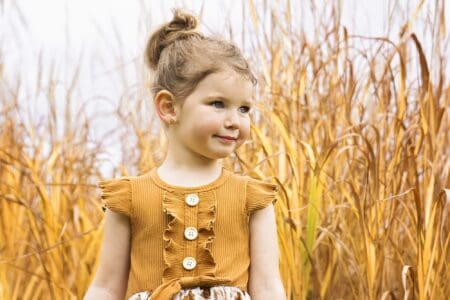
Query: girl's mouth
[226, 138]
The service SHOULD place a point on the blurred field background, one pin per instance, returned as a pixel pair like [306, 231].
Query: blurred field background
[354, 127]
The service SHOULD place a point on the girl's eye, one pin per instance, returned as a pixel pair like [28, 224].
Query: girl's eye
[244, 109]
[217, 104]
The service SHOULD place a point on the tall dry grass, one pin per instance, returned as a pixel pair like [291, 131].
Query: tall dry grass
[362, 152]
[355, 129]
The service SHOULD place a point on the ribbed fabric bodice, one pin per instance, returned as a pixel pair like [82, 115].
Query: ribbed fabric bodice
[187, 236]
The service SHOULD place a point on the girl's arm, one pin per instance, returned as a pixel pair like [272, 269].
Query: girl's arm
[111, 279]
[264, 280]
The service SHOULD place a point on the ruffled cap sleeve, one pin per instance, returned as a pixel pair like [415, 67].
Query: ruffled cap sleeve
[260, 194]
[116, 194]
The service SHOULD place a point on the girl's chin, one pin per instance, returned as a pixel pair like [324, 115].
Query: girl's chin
[219, 154]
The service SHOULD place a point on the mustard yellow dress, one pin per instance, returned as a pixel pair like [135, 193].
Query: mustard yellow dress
[188, 242]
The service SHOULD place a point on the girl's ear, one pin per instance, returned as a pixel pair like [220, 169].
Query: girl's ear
[166, 107]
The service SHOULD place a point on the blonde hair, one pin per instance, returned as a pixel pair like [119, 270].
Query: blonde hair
[180, 56]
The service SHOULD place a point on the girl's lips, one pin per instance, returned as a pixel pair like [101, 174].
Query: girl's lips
[227, 138]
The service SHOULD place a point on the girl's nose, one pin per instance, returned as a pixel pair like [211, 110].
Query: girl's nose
[232, 120]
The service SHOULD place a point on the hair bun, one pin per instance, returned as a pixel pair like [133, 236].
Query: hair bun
[182, 21]
[183, 25]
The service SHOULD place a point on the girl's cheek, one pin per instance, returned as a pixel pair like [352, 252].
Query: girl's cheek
[245, 136]
[246, 127]
[208, 124]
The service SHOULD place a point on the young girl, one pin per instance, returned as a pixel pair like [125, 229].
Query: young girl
[191, 229]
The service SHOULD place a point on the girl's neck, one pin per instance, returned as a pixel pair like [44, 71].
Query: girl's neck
[188, 173]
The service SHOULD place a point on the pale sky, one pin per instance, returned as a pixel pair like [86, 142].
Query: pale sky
[105, 38]
[62, 29]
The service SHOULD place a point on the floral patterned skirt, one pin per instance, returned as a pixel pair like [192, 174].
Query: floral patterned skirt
[202, 293]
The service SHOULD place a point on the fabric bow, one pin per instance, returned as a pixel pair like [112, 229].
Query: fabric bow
[170, 288]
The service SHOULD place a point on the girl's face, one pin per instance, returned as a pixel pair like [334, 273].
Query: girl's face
[214, 119]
